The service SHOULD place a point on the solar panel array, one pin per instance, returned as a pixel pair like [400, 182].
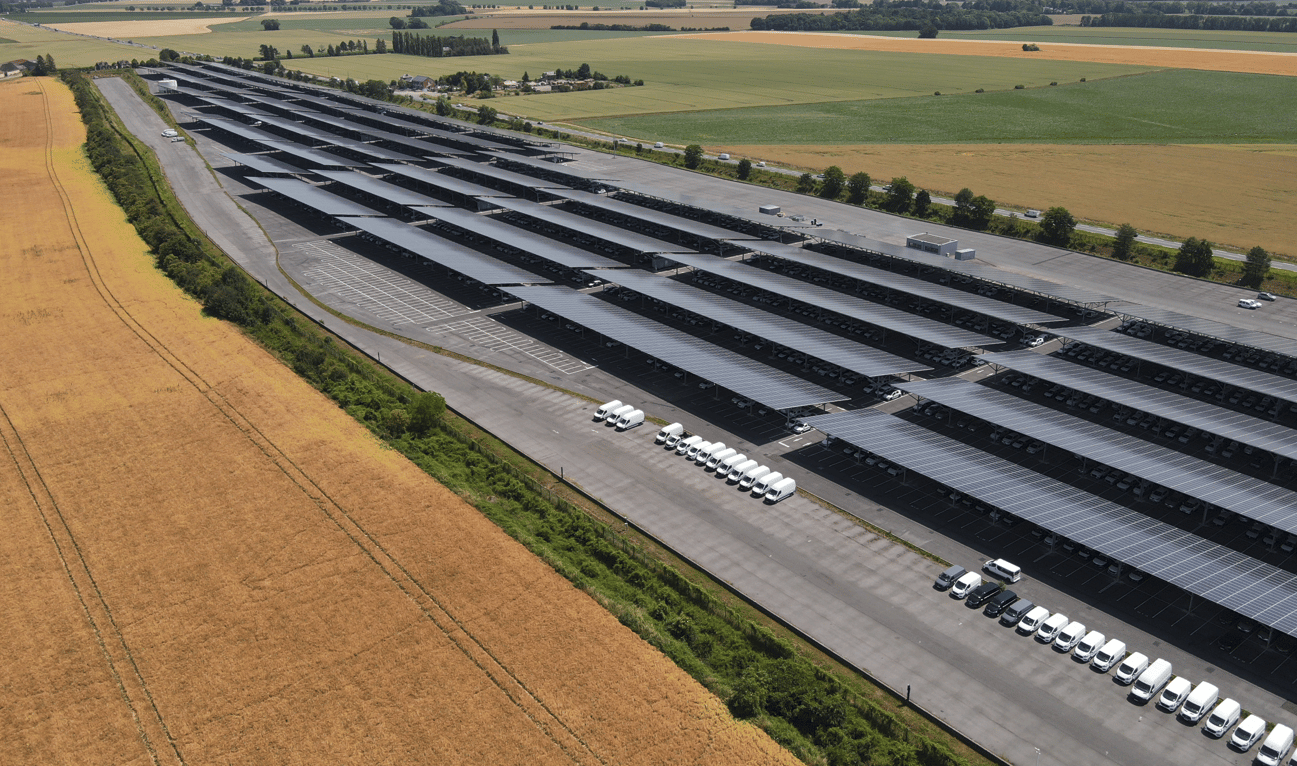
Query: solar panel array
[1245, 429]
[665, 220]
[410, 145]
[398, 195]
[313, 196]
[508, 235]
[1249, 587]
[550, 167]
[1211, 483]
[1187, 361]
[263, 164]
[978, 304]
[811, 341]
[311, 154]
[456, 257]
[573, 222]
[246, 132]
[1210, 328]
[745, 377]
[497, 173]
[920, 328]
[440, 180]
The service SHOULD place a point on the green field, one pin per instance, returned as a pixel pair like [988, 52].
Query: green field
[68, 50]
[1170, 106]
[1166, 38]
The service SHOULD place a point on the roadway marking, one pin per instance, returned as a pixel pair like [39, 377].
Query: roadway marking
[485, 331]
[376, 289]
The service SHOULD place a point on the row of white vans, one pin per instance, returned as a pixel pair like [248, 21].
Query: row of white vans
[621, 416]
[1147, 680]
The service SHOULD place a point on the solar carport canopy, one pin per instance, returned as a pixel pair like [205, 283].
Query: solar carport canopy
[1257, 500]
[812, 341]
[649, 215]
[1229, 424]
[263, 164]
[745, 377]
[493, 228]
[1211, 329]
[311, 154]
[234, 106]
[1250, 587]
[246, 132]
[313, 197]
[440, 180]
[374, 134]
[573, 222]
[1187, 361]
[561, 168]
[978, 304]
[390, 192]
[456, 257]
[497, 173]
[481, 144]
[920, 328]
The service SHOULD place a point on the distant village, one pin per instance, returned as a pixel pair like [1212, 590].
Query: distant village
[488, 86]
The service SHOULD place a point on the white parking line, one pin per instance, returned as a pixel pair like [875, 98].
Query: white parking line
[485, 331]
[375, 288]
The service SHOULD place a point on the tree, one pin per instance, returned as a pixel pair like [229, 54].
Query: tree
[444, 108]
[693, 156]
[806, 184]
[972, 212]
[397, 22]
[270, 25]
[486, 115]
[495, 39]
[922, 203]
[1257, 268]
[928, 33]
[900, 195]
[167, 54]
[1056, 226]
[1124, 248]
[49, 63]
[858, 188]
[416, 23]
[40, 69]
[425, 411]
[380, 46]
[583, 72]
[1194, 257]
[745, 168]
[834, 181]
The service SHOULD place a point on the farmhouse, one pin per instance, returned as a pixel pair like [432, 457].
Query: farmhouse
[418, 82]
[16, 68]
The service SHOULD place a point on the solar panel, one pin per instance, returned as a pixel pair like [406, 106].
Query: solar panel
[712, 205]
[1238, 582]
[551, 167]
[480, 144]
[497, 230]
[745, 377]
[440, 180]
[234, 106]
[788, 333]
[990, 307]
[456, 257]
[920, 328]
[277, 103]
[246, 132]
[313, 196]
[416, 147]
[498, 173]
[1210, 328]
[299, 129]
[1245, 429]
[311, 154]
[1211, 483]
[657, 217]
[398, 195]
[263, 164]
[1187, 361]
[573, 222]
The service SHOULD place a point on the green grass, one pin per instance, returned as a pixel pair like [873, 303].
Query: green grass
[1173, 106]
[23, 42]
[1173, 38]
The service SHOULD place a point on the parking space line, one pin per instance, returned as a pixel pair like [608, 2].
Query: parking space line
[485, 331]
[375, 288]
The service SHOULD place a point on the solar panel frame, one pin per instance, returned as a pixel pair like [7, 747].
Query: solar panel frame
[1210, 328]
[921, 328]
[458, 258]
[263, 164]
[314, 197]
[441, 180]
[520, 239]
[1245, 429]
[562, 218]
[789, 333]
[479, 144]
[398, 195]
[1215, 484]
[748, 378]
[1234, 580]
[648, 215]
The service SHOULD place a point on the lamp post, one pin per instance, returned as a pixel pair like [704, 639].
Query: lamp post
[1037, 756]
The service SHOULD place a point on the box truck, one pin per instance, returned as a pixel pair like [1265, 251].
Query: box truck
[616, 414]
[779, 491]
[675, 429]
[606, 409]
[632, 419]
[739, 470]
[752, 476]
[762, 485]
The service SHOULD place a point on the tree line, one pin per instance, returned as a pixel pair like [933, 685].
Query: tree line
[441, 8]
[1171, 21]
[903, 15]
[436, 46]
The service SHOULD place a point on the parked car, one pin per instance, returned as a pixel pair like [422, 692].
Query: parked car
[1032, 620]
[999, 602]
[1176, 692]
[965, 584]
[1266, 296]
[979, 595]
[1130, 669]
[1050, 628]
[1248, 303]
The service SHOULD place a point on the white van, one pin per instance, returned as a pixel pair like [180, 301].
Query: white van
[675, 429]
[1049, 629]
[1089, 646]
[781, 490]
[1129, 670]
[170, 133]
[1276, 746]
[752, 475]
[738, 469]
[1003, 570]
[1222, 718]
[632, 419]
[616, 414]
[684, 445]
[762, 484]
[604, 409]
[717, 457]
[706, 454]
[692, 454]
[722, 156]
[1070, 636]
[1111, 653]
[657, 145]
[965, 584]
[1031, 621]
[1199, 702]
[1176, 693]
[1152, 681]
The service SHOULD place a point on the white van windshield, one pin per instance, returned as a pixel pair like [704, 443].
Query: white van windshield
[1216, 721]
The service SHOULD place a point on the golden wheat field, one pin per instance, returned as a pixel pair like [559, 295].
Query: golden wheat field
[129, 30]
[207, 562]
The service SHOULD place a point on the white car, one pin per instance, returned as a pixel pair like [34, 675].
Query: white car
[1069, 637]
[1248, 733]
[1050, 629]
[894, 393]
[801, 428]
[1249, 303]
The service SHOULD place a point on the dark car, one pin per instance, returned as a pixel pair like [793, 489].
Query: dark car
[981, 593]
[1015, 612]
[999, 603]
[948, 577]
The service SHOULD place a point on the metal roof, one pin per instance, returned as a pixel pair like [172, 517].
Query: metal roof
[550, 167]
[263, 164]
[918, 327]
[996, 309]
[1184, 410]
[789, 333]
[311, 154]
[1256, 499]
[1186, 361]
[746, 377]
[1238, 582]
[313, 196]
[440, 180]
[493, 228]
[391, 192]
[649, 215]
[1209, 328]
[497, 173]
[456, 257]
[571, 221]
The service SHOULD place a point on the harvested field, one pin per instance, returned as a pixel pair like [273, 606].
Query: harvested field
[129, 30]
[1239, 195]
[1256, 62]
[740, 18]
[207, 562]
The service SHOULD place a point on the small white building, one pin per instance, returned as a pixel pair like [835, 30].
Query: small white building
[932, 243]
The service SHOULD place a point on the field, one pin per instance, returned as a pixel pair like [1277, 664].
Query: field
[68, 50]
[134, 28]
[1170, 38]
[207, 562]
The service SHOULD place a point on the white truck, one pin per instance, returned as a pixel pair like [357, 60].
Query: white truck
[616, 414]
[606, 409]
[675, 429]
[779, 491]
[632, 419]
[739, 469]
[751, 476]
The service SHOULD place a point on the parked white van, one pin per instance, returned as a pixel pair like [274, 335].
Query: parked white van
[725, 465]
[737, 469]
[606, 409]
[1049, 629]
[752, 475]
[781, 490]
[1152, 681]
[675, 429]
[1070, 636]
[616, 414]
[1276, 746]
[684, 445]
[1089, 646]
[763, 484]
[1247, 733]
[1199, 702]
[965, 584]
[632, 419]
[1176, 693]
[1003, 570]
[705, 455]
[1031, 621]
[1111, 653]
[692, 454]
[1129, 670]
[1222, 718]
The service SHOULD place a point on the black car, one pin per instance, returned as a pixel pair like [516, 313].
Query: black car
[999, 603]
[981, 593]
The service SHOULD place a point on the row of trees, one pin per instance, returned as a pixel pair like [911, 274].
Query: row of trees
[437, 46]
[902, 15]
[1167, 21]
[44, 65]
[440, 8]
